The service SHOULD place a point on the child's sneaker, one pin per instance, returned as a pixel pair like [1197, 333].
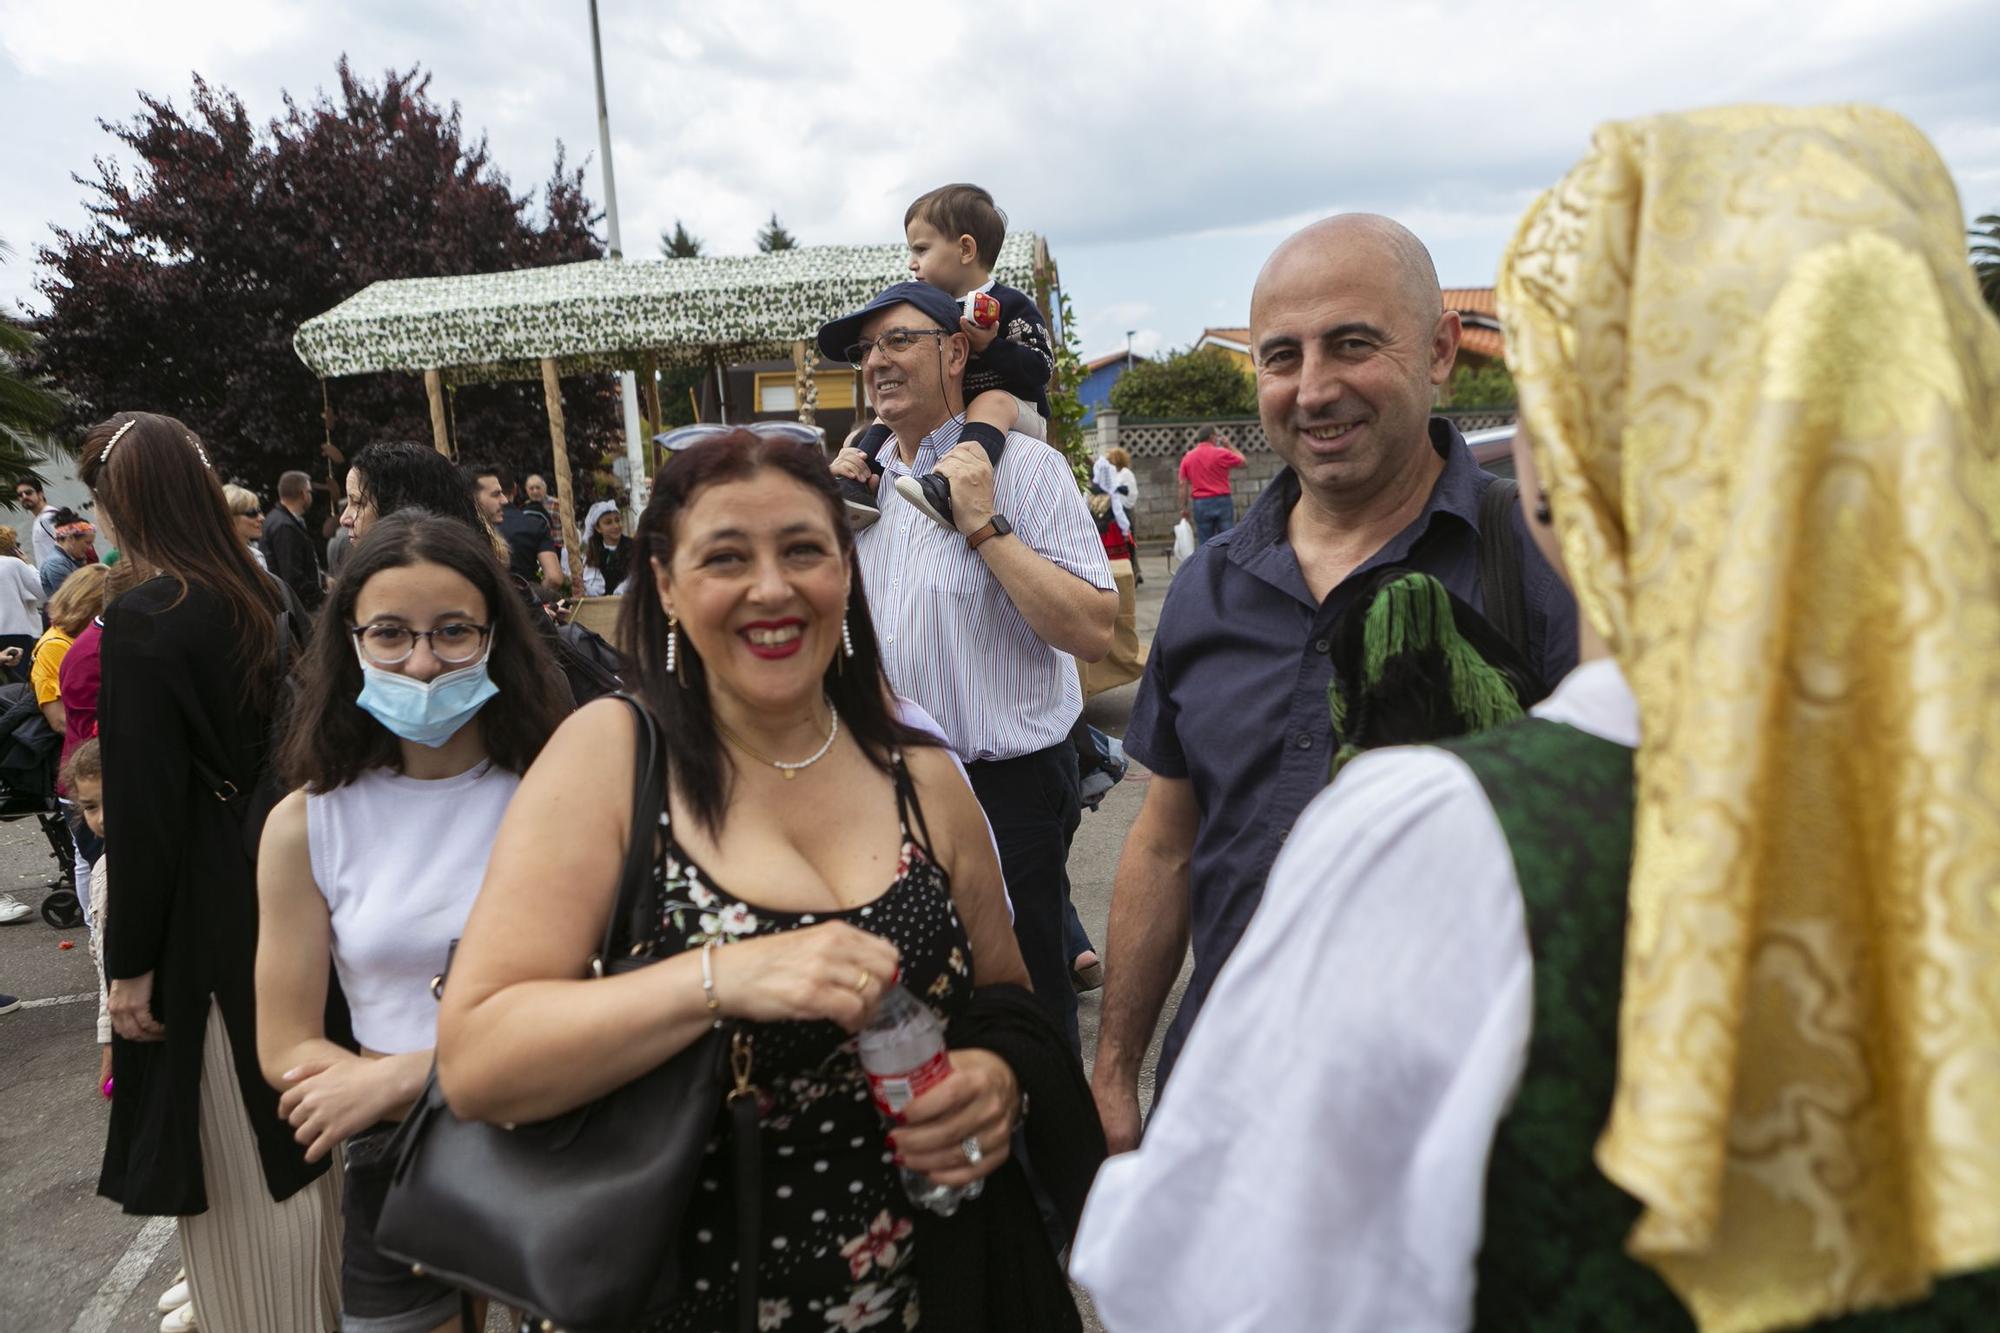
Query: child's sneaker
[8, 1004]
[862, 511]
[931, 494]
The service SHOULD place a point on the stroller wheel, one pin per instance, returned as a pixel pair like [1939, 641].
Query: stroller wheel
[62, 910]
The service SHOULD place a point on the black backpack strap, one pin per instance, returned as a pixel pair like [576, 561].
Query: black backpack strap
[1502, 593]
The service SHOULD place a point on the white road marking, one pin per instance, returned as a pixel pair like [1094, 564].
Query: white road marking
[77, 998]
[125, 1275]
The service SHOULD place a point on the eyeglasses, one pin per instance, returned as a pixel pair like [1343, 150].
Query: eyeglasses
[388, 644]
[683, 437]
[895, 342]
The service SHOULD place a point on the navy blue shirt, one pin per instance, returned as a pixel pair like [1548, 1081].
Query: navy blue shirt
[527, 533]
[1234, 695]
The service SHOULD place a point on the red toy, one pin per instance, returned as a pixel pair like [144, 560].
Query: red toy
[983, 309]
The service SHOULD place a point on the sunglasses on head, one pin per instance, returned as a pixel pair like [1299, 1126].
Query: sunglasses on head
[684, 437]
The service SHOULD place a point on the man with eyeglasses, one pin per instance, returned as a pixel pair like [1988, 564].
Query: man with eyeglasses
[981, 623]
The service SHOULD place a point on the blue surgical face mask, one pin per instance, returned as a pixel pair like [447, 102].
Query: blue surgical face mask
[428, 712]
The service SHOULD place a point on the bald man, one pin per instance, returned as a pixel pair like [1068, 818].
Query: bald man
[1351, 343]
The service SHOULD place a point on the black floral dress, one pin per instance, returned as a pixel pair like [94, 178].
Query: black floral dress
[838, 1247]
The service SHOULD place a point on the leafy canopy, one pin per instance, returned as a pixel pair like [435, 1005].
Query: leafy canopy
[1200, 382]
[1488, 386]
[184, 291]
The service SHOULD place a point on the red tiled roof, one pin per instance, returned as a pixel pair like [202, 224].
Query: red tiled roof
[1483, 342]
[1103, 361]
[1239, 336]
[1471, 301]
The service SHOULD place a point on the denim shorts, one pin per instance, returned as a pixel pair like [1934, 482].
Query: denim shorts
[377, 1293]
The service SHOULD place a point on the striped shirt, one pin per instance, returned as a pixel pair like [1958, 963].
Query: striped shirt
[950, 637]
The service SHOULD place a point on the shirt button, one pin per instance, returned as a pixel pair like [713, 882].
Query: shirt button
[1303, 740]
[1322, 646]
[889, 639]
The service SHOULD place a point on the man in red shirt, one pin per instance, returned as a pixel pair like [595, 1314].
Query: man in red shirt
[1205, 484]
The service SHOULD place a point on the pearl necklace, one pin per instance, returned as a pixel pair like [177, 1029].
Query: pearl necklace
[790, 770]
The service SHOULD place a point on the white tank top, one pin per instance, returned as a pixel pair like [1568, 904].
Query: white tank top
[399, 861]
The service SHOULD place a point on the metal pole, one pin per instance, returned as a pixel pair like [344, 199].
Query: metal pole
[628, 384]
[1128, 347]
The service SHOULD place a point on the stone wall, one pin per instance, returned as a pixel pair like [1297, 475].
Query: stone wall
[1156, 448]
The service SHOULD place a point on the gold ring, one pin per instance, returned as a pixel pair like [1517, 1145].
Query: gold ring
[861, 982]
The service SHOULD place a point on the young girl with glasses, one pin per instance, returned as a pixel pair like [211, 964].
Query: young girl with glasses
[425, 695]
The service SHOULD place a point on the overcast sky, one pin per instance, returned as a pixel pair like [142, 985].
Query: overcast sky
[1162, 148]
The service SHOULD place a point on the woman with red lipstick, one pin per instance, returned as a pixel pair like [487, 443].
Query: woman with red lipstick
[755, 652]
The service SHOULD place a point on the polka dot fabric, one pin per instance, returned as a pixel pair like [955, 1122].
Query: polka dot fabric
[838, 1248]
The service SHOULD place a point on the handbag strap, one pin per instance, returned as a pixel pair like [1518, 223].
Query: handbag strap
[649, 793]
[749, 1206]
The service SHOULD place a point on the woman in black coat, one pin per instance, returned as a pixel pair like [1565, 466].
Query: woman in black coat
[190, 678]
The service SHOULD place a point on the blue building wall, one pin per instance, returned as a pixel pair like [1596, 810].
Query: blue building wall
[1095, 391]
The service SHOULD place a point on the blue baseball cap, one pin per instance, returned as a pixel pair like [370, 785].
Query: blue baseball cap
[836, 336]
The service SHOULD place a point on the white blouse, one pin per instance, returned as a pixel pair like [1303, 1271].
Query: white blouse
[1319, 1159]
[20, 598]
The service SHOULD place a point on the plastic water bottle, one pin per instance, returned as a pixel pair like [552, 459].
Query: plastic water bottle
[903, 1052]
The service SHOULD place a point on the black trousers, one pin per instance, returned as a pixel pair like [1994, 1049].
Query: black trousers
[1031, 801]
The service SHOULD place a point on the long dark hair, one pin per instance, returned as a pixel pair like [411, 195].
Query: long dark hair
[398, 475]
[331, 741]
[701, 769]
[167, 506]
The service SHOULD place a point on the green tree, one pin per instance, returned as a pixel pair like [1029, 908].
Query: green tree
[679, 243]
[30, 408]
[1986, 258]
[184, 291]
[1199, 382]
[1488, 386]
[1065, 408]
[773, 237]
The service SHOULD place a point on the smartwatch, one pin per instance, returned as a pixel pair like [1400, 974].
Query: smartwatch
[997, 526]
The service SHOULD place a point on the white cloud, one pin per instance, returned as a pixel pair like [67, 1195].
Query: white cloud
[1163, 149]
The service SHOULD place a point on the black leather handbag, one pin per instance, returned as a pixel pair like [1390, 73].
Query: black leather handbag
[577, 1220]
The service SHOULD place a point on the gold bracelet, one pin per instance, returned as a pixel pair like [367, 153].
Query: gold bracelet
[708, 981]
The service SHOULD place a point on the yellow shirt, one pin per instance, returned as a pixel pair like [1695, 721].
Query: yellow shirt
[50, 650]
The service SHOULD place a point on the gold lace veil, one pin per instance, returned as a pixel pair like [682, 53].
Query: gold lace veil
[1764, 397]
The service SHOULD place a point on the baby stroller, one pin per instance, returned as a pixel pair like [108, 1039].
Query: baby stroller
[29, 752]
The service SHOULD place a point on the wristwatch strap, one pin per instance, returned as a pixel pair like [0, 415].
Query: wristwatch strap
[997, 526]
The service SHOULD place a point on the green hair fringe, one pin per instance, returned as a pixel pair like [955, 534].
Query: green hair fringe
[1412, 615]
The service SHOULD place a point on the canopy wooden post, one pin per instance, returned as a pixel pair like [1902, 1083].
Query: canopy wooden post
[804, 387]
[659, 424]
[559, 445]
[434, 386]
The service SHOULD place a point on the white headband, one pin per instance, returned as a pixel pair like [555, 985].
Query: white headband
[116, 436]
[119, 434]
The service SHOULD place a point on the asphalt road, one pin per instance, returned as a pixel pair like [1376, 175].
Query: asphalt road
[70, 1262]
